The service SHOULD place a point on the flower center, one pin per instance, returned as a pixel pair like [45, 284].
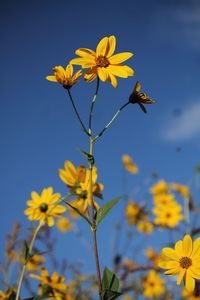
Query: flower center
[43, 207]
[83, 195]
[102, 61]
[185, 262]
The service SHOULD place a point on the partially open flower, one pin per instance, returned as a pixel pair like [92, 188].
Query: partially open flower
[64, 76]
[139, 97]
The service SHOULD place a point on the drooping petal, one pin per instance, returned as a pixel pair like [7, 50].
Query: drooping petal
[120, 57]
[102, 47]
[113, 80]
[50, 221]
[180, 276]
[171, 253]
[187, 245]
[91, 74]
[111, 46]
[77, 75]
[85, 52]
[189, 282]
[172, 271]
[103, 75]
[51, 78]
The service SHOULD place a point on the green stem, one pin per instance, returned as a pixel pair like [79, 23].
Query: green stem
[93, 221]
[92, 106]
[77, 114]
[24, 266]
[110, 122]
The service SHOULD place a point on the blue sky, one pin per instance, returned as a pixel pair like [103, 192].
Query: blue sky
[38, 128]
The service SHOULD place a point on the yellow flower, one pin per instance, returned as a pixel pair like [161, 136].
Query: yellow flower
[169, 216]
[163, 199]
[64, 224]
[183, 190]
[64, 76]
[55, 282]
[129, 165]
[145, 226]
[161, 187]
[153, 285]
[195, 295]
[134, 213]
[78, 180]
[155, 257]
[140, 98]
[44, 207]
[34, 262]
[7, 294]
[129, 264]
[184, 261]
[103, 63]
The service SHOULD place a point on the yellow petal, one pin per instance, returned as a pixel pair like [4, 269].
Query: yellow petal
[91, 74]
[172, 271]
[187, 245]
[180, 276]
[69, 71]
[196, 248]
[85, 52]
[103, 75]
[129, 70]
[195, 273]
[50, 221]
[111, 46]
[113, 80]
[102, 47]
[117, 71]
[84, 62]
[137, 87]
[120, 57]
[179, 248]
[169, 252]
[51, 78]
[169, 265]
[35, 197]
[189, 282]
[59, 209]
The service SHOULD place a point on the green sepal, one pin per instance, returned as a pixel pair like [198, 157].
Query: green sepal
[77, 210]
[104, 210]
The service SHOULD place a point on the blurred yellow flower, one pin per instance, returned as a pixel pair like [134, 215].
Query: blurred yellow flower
[7, 294]
[44, 207]
[127, 297]
[183, 190]
[195, 295]
[163, 199]
[64, 76]
[35, 262]
[103, 63]
[129, 165]
[184, 261]
[169, 216]
[129, 264]
[134, 213]
[155, 257]
[153, 285]
[64, 224]
[160, 187]
[55, 282]
[145, 226]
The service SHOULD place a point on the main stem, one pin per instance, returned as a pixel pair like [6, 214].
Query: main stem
[24, 266]
[93, 220]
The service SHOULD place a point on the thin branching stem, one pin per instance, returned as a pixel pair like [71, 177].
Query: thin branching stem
[77, 114]
[92, 106]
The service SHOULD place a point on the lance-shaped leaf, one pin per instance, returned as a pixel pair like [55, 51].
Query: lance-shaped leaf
[104, 210]
[110, 286]
[77, 210]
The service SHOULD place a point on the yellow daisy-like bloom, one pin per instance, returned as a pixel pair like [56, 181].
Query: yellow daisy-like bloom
[153, 285]
[184, 261]
[72, 176]
[54, 281]
[129, 164]
[183, 190]
[169, 216]
[103, 63]
[163, 199]
[44, 207]
[64, 224]
[35, 262]
[161, 187]
[64, 76]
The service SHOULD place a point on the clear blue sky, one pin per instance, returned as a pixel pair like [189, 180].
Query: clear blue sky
[38, 128]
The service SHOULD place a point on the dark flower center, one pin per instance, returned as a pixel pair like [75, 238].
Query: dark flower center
[102, 61]
[43, 207]
[83, 195]
[185, 262]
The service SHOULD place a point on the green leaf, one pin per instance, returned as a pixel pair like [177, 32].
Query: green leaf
[104, 210]
[109, 295]
[26, 251]
[109, 280]
[78, 211]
